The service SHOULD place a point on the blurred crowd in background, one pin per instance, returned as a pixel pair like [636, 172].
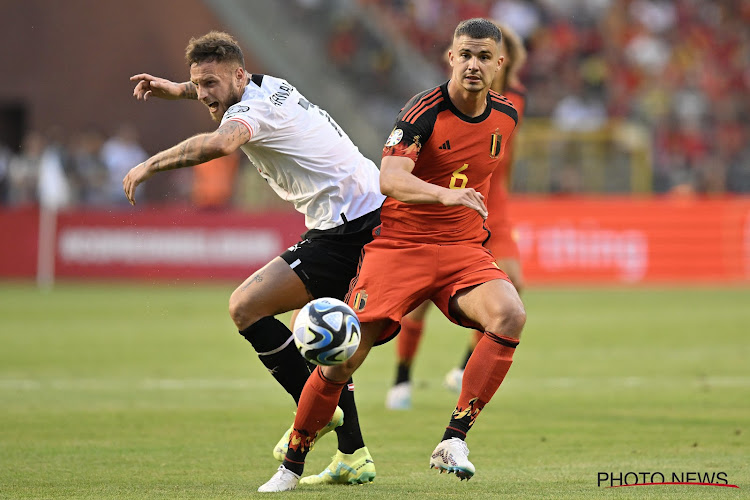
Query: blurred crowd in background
[679, 69]
[59, 169]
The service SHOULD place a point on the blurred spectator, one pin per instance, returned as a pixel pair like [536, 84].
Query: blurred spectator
[344, 41]
[214, 182]
[23, 170]
[89, 173]
[5, 156]
[54, 190]
[120, 153]
[522, 15]
[582, 110]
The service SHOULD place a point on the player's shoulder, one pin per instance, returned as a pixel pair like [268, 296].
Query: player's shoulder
[262, 93]
[427, 102]
[267, 88]
[516, 94]
[503, 104]
[516, 89]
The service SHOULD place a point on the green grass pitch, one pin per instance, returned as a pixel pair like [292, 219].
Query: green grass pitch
[128, 391]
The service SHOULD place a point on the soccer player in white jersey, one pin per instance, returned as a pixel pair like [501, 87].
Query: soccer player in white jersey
[307, 159]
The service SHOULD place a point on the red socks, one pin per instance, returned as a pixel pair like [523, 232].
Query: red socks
[407, 341]
[484, 373]
[315, 409]
[487, 368]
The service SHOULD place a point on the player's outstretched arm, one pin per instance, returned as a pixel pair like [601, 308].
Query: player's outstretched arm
[149, 85]
[397, 181]
[198, 149]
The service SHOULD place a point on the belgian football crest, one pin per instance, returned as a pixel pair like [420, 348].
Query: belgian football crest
[360, 300]
[496, 141]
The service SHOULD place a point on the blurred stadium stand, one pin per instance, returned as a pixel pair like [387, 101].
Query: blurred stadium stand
[298, 52]
[625, 97]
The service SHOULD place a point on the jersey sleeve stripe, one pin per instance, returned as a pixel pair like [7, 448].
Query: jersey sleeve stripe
[500, 98]
[416, 108]
[426, 108]
[421, 103]
[240, 120]
[517, 91]
[506, 108]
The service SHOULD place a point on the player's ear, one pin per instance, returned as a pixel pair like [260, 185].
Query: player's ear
[500, 62]
[239, 75]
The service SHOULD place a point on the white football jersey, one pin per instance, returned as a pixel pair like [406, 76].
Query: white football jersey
[304, 155]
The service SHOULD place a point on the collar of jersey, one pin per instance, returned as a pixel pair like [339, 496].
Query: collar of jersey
[463, 117]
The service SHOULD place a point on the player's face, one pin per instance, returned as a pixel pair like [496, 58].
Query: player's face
[219, 85]
[475, 61]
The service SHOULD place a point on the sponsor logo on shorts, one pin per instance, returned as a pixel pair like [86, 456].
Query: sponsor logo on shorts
[297, 245]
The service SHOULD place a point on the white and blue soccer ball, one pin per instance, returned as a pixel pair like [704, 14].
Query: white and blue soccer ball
[326, 331]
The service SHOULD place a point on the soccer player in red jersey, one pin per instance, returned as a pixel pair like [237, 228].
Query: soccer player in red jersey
[436, 164]
[502, 244]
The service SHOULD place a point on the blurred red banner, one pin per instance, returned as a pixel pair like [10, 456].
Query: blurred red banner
[627, 240]
[566, 240]
[157, 244]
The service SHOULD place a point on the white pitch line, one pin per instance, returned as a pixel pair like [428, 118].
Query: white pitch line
[237, 384]
[98, 384]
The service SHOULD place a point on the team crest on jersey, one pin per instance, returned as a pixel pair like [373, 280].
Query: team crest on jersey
[233, 110]
[496, 141]
[394, 138]
[360, 300]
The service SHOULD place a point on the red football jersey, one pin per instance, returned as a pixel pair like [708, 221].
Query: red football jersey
[451, 150]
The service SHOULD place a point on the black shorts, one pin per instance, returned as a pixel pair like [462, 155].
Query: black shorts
[327, 260]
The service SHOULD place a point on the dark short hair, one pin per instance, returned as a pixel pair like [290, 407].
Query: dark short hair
[214, 46]
[478, 28]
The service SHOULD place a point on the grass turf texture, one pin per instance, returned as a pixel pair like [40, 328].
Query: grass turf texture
[118, 391]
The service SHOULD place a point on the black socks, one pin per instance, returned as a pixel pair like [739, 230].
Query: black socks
[274, 343]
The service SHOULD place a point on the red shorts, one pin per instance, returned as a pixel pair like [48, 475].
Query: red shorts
[395, 276]
[504, 240]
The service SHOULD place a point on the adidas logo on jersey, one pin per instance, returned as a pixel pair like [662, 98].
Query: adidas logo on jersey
[445, 145]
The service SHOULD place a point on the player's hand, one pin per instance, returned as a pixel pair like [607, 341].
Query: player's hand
[149, 85]
[467, 197]
[136, 175]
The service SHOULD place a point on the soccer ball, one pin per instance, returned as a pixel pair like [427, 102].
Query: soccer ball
[326, 331]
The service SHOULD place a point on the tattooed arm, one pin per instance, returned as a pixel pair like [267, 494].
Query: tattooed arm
[198, 149]
[149, 85]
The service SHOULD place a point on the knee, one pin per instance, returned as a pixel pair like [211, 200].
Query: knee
[516, 320]
[509, 320]
[339, 373]
[239, 311]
